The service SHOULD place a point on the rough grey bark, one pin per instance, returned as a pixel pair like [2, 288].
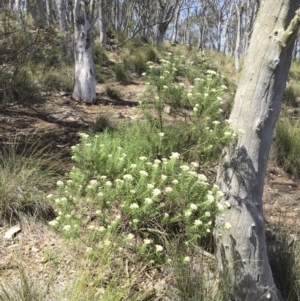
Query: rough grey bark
[85, 84]
[241, 251]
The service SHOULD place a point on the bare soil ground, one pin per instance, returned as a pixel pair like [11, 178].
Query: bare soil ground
[56, 121]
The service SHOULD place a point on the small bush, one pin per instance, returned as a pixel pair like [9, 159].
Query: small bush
[136, 57]
[195, 117]
[287, 146]
[60, 78]
[112, 93]
[18, 86]
[156, 200]
[102, 123]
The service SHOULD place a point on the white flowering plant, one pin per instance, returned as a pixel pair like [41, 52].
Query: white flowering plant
[169, 96]
[155, 200]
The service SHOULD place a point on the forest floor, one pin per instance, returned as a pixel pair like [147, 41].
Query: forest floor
[56, 122]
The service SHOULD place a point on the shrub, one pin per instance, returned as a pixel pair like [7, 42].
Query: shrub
[60, 78]
[112, 93]
[154, 200]
[195, 117]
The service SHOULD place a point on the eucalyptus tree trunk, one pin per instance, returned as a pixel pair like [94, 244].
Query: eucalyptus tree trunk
[85, 84]
[20, 17]
[225, 30]
[239, 12]
[62, 23]
[175, 28]
[102, 22]
[241, 251]
[165, 16]
[41, 20]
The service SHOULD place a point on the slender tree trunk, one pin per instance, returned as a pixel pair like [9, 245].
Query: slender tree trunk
[175, 28]
[85, 84]
[239, 12]
[225, 34]
[241, 251]
[102, 23]
[20, 17]
[41, 20]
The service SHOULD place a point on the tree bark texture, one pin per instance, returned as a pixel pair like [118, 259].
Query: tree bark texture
[241, 251]
[85, 84]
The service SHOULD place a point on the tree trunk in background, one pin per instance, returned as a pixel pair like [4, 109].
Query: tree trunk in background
[41, 19]
[165, 16]
[239, 12]
[241, 251]
[65, 34]
[102, 23]
[20, 17]
[85, 84]
[175, 28]
[226, 29]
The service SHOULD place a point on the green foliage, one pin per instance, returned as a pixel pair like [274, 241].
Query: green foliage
[195, 110]
[153, 199]
[136, 55]
[287, 147]
[17, 86]
[22, 175]
[121, 73]
[60, 78]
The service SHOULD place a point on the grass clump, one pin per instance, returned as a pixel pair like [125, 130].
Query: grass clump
[102, 123]
[284, 256]
[22, 290]
[22, 177]
[60, 78]
[120, 73]
[287, 147]
[291, 95]
[112, 93]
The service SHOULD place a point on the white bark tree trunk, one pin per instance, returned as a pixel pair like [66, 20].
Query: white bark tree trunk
[239, 11]
[241, 251]
[85, 84]
[102, 23]
[175, 28]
